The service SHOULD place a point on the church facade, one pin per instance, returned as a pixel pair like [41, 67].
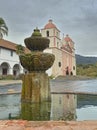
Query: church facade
[63, 49]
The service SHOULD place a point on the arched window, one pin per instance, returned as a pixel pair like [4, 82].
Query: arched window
[47, 33]
[57, 34]
[73, 67]
[11, 53]
[67, 70]
[57, 44]
[59, 63]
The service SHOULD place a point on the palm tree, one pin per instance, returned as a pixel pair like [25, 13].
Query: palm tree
[3, 28]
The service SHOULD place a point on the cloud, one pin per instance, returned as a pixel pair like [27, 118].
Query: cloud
[75, 17]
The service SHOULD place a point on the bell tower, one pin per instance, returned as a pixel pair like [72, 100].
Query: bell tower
[53, 33]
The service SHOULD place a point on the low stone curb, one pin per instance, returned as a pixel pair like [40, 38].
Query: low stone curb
[47, 125]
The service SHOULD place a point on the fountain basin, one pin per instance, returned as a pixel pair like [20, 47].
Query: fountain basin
[37, 61]
[36, 43]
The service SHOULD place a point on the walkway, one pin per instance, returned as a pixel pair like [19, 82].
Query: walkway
[9, 82]
[74, 86]
[10, 86]
[60, 86]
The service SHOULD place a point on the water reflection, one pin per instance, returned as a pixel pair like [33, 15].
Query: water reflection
[9, 104]
[88, 112]
[36, 111]
[86, 100]
[63, 107]
[84, 107]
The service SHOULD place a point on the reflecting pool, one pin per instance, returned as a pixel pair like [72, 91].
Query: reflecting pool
[85, 109]
[9, 104]
[82, 107]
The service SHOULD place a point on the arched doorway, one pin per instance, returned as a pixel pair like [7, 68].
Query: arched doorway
[67, 70]
[5, 68]
[16, 70]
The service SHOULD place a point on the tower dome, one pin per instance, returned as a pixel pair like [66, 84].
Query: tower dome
[67, 38]
[50, 25]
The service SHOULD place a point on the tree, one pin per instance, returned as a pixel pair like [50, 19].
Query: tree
[20, 49]
[3, 28]
[87, 70]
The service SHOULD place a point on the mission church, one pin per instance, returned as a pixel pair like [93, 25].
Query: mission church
[63, 49]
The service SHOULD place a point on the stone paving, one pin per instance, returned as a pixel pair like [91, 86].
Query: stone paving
[47, 125]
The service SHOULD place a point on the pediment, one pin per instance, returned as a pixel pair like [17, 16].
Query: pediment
[67, 48]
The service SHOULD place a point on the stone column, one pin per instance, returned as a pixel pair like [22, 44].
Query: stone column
[10, 71]
[35, 87]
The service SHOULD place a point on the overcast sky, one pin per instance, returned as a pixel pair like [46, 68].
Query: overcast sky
[78, 18]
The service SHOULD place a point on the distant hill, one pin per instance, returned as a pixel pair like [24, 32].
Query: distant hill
[85, 60]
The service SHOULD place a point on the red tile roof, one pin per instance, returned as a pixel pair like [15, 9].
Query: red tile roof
[9, 45]
[49, 25]
[67, 38]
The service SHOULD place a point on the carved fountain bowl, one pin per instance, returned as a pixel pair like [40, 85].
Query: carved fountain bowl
[37, 43]
[37, 61]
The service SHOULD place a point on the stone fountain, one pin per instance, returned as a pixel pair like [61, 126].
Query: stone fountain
[35, 87]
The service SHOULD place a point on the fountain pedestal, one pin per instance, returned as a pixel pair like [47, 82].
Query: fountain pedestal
[35, 87]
